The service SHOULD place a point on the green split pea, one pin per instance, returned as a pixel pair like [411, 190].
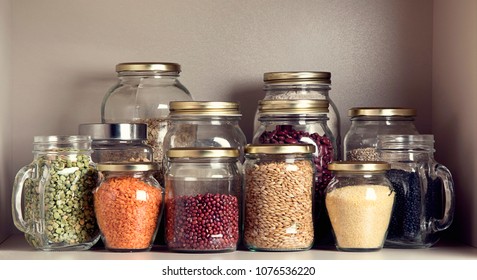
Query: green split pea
[66, 191]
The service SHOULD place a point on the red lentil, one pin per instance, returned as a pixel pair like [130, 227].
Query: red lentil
[127, 210]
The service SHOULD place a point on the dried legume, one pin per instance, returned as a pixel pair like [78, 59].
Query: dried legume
[128, 212]
[68, 201]
[408, 214]
[204, 222]
[360, 215]
[278, 206]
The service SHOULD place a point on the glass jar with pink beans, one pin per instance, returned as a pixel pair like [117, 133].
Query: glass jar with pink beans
[203, 199]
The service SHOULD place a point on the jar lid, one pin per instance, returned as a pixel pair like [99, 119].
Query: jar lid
[359, 166]
[278, 149]
[148, 66]
[116, 131]
[204, 108]
[381, 112]
[116, 166]
[203, 153]
[294, 106]
[297, 77]
[62, 143]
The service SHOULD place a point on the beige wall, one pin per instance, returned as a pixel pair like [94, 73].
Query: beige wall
[454, 105]
[64, 52]
[5, 144]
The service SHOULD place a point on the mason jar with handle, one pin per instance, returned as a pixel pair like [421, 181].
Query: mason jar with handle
[52, 200]
[425, 202]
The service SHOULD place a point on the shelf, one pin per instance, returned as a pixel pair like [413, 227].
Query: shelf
[16, 248]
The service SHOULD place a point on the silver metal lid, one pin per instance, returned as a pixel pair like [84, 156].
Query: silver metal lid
[117, 131]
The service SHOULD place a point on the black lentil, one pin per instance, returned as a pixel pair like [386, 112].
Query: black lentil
[410, 214]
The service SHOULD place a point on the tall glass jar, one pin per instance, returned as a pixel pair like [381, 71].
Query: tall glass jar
[203, 199]
[128, 203]
[299, 121]
[205, 124]
[359, 201]
[303, 85]
[118, 142]
[278, 212]
[424, 189]
[52, 201]
[142, 95]
[368, 122]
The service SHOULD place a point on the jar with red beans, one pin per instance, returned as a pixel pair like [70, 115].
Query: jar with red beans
[203, 205]
[302, 121]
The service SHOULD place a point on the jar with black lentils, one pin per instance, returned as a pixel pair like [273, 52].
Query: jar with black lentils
[302, 121]
[359, 143]
[203, 199]
[424, 188]
[53, 195]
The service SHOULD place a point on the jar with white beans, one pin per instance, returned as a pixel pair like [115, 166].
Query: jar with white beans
[278, 204]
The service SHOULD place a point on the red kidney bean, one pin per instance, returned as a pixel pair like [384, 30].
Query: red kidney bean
[207, 222]
[286, 134]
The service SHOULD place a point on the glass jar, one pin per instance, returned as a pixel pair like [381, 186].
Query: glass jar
[299, 121]
[118, 142]
[203, 199]
[278, 211]
[359, 201]
[303, 85]
[128, 203]
[424, 189]
[205, 124]
[368, 122]
[52, 200]
[142, 95]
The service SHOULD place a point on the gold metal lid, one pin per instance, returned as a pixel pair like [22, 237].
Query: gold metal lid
[137, 166]
[294, 106]
[381, 112]
[203, 153]
[297, 77]
[277, 149]
[359, 166]
[204, 108]
[148, 66]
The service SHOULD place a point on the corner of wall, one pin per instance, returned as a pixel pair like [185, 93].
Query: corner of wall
[5, 142]
[453, 105]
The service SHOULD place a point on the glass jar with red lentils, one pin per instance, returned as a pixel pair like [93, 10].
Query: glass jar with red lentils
[203, 205]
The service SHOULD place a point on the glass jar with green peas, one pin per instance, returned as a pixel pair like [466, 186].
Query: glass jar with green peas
[52, 201]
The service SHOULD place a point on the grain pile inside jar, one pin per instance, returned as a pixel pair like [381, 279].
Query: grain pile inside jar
[360, 215]
[278, 204]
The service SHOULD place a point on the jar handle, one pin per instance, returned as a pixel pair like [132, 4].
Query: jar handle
[449, 200]
[23, 174]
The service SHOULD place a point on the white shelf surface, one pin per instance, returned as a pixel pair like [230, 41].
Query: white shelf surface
[16, 248]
